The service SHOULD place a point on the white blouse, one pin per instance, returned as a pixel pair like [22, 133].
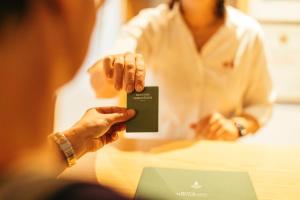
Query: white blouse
[229, 75]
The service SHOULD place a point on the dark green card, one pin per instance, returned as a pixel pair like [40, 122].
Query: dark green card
[180, 184]
[146, 105]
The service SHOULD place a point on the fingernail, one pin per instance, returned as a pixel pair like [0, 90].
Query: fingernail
[131, 112]
[139, 88]
[129, 88]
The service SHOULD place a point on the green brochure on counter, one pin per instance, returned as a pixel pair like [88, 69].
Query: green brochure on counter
[180, 184]
[146, 105]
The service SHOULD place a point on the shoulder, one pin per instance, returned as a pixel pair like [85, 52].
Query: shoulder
[244, 25]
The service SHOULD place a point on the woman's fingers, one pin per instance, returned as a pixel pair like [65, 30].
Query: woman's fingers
[129, 73]
[140, 73]
[208, 126]
[125, 70]
[108, 66]
[213, 129]
[118, 72]
[219, 134]
[199, 127]
[216, 127]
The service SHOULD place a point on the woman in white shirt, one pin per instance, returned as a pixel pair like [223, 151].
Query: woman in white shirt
[208, 60]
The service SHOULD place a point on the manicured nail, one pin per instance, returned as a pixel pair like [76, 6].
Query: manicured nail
[129, 88]
[131, 112]
[139, 88]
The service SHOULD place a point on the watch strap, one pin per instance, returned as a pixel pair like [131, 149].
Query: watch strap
[65, 146]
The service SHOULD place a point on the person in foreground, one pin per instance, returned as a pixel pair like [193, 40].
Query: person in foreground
[43, 43]
[209, 62]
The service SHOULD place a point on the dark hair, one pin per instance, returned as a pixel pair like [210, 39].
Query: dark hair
[220, 7]
[13, 8]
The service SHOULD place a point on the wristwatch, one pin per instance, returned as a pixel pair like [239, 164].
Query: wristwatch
[241, 129]
[65, 146]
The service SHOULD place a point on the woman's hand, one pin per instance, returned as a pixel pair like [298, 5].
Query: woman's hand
[124, 71]
[98, 127]
[216, 127]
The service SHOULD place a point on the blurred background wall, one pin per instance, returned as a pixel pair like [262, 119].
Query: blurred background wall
[280, 20]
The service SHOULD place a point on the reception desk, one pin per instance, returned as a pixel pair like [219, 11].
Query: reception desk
[274, 171]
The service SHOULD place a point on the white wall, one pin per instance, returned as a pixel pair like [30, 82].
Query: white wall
[280, 20]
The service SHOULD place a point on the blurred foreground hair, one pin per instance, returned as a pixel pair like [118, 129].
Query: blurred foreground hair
[13, 9]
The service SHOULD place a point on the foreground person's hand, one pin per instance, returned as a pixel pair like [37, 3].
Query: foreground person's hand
[98, 127]
[216, 127]
[124, 71]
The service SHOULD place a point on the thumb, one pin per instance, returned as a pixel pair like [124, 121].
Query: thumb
[121, 116]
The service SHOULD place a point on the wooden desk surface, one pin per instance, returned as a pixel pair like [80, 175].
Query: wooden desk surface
[274, 171]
